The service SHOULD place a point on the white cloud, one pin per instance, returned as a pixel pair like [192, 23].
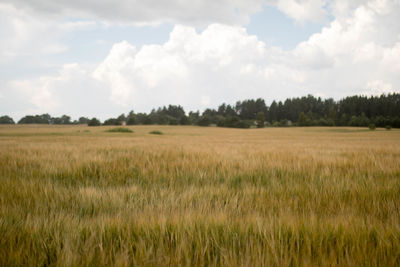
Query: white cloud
[38, 93]
[344, 8]
[390, 60]
[357, 53]
[378, 87]
[304, 10]
[26, 35]
[224, 63]
[149, 12]
[205, 100]
[78, 25]
[191, 68]
[194, 13]
[44, 92]
[71, 91]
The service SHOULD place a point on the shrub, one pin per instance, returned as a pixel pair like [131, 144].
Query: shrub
[371, 126]
[156, 132]
[120, 130]
[283, 123]
[388, 127]
[243, 124]
[231, 121]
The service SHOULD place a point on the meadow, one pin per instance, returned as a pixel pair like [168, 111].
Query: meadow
[199, 196]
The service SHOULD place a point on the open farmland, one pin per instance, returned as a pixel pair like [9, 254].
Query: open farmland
[74, 195]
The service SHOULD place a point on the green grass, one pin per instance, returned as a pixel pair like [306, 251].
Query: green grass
[199, 197]
[119, 130]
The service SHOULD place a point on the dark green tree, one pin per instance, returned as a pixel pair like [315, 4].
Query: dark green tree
[194, 117]
[112, 121]
[83, 120]
[304, 120]
[64, 119]
[121, 119]
[6, 120]
[184, 120]
[260, 119]
[39, 119]
[131, 118]
[94, 122]
[204, 120]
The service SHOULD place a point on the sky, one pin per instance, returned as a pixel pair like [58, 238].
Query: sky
[106, 57]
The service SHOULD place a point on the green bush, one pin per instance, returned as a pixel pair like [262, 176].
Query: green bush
[243, 124]
[120, 130]
[371, 126]
[388, 127]
[156, 132]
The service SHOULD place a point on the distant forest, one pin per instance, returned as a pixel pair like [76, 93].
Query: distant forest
[361, 111]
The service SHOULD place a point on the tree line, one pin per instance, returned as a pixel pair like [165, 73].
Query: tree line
[380, 111]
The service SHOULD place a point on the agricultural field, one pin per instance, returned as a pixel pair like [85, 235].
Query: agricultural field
[199, 196]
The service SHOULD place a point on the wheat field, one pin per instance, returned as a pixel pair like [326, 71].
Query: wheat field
[194, 196]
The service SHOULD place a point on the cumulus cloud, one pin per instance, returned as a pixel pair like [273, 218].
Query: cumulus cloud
[70, 91]
[19, 31]
[224, 63]
[357, 53]
[195, 69]
[149, 12]
[38, 92]
[194, 13]
[378, 87]
[26, 35]
[304, 10]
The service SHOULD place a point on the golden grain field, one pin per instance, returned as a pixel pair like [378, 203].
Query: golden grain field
[194, 196]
